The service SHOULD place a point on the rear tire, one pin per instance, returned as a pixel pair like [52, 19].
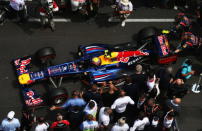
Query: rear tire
[147, 33]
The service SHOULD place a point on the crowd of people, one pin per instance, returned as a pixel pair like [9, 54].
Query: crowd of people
[89, 8]
[147, 100]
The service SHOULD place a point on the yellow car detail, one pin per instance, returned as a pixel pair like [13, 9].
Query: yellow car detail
[24, 79]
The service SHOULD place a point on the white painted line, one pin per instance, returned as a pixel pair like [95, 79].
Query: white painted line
[55, 20]
[143, 20]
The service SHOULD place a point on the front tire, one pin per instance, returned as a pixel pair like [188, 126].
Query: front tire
[46, 55]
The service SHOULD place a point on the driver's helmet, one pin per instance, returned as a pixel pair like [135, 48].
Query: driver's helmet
[107, 54]
[96, 61]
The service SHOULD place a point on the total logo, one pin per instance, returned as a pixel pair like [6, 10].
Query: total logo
[134, 61]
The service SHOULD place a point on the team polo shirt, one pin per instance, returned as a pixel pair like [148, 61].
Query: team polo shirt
[120, 104]
[186, 69]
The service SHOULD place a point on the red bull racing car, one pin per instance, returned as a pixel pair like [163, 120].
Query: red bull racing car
[99, 62]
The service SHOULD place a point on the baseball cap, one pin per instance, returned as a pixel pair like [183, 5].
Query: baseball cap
[11, 114]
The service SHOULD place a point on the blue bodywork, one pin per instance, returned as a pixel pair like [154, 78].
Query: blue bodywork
[79, 66]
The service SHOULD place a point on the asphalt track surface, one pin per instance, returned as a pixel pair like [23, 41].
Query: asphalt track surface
[19, 40]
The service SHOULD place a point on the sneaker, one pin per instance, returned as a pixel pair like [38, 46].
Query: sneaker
[123, 23]
[186, 6]
[175, 8]
[113, 6]
[110, 19]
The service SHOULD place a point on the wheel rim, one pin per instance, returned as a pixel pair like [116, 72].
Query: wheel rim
[59, 100]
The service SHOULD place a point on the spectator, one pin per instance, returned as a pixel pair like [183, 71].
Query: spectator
[153, 85]
[104, 117]
[124, 8]
[120, 104]
[168, 120]
[91, 108]
[10, 123]
[89, 124]
[110, 95]
[185, 72]
[166, 78]
[94, 93]
[121, 125]
[16, 8]
[140, 123]
[28, 119]
[75, 116]
[139, 77]
[77, 4]
[151, 108]
[42, 125]
[74, 101]
[177, 89]
[132, 89]
[155, 122]
[140, 103]
[174, 104]
[60, 124]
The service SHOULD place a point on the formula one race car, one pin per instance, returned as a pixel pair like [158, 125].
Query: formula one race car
[98, 62]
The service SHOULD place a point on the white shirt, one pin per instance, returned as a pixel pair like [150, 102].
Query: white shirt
[120, 104]
[167, 123]
[104, 119]
[151, 83]
[12, 125]
[93, 111]
[140, 124]
[117, 127]
[128, 7]
[42, 127]
[89, 126]
[17, 4]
